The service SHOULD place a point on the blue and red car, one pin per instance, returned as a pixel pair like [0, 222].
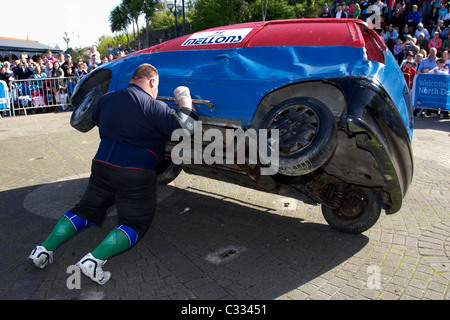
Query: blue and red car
[331, 88]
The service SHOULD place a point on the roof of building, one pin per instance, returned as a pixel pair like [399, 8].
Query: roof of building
[12, 44]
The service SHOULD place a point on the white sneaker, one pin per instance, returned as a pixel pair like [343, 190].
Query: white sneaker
[40, 257]
[92, 268]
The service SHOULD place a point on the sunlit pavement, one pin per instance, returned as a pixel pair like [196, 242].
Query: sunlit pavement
[211, 240]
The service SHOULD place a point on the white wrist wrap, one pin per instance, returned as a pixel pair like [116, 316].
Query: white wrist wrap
[185, 93]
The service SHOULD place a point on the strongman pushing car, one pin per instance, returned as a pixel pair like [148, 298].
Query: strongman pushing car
[134, 128]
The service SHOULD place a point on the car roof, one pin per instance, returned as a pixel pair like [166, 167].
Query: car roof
[292, 32]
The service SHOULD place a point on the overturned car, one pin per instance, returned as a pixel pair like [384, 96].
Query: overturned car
[329, 87]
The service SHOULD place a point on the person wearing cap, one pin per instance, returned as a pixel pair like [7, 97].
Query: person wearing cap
[421, 29]
[422, 42]
[68, 63]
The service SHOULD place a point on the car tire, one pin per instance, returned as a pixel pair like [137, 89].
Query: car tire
[81, 118]
[308, 134]
[167, 172]
[358, 211]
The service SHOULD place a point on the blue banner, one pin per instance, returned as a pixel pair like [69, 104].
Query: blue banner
[432, 91]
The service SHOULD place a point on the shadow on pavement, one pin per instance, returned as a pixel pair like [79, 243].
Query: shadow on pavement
[218, 249]
[423, 122]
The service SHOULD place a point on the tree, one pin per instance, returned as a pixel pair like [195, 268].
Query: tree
[119, 21]
[134, 10]
[308, 8]
[214, 13]
[275, 9]
[148, 10]
[264, 9]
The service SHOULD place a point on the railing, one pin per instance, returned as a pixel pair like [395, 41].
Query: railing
[44, 94]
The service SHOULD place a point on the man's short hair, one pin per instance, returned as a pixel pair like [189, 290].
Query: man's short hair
[144, 71]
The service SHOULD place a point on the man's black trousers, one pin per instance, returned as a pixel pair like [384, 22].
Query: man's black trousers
[132, 190]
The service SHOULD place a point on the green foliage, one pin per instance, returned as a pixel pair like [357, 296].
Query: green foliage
[214, 13]
[308, 8]
[276, 9]
[203, 14]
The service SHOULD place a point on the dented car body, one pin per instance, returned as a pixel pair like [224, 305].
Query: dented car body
[330, 87]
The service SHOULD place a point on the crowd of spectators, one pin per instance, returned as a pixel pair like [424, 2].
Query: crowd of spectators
[416, 31]
[51, 66]
[48, 65]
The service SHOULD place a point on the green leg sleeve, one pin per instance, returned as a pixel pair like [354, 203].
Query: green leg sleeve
[118, 240]
[66, 227]
[63, 231]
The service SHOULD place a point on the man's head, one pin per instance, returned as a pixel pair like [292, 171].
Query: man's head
[433, 53]
[146, 76]
[440, 63]
[408, 64]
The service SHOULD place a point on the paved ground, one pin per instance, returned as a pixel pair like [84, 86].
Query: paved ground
[212, 240]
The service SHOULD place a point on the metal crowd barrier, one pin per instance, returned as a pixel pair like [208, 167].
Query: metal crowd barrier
[41, 94]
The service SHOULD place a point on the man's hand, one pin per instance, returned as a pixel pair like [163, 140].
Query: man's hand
[183, 97]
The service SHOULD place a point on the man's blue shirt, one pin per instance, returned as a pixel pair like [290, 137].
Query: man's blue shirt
[132, 116]
[427, 64]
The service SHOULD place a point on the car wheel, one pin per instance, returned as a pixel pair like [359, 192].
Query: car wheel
[167, 172]
[356, 209]
[81, 118]
[307, 134]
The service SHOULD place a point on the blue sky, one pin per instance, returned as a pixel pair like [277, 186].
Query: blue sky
[46, 20]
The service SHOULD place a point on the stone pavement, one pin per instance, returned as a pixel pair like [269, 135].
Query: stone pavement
[212, 240]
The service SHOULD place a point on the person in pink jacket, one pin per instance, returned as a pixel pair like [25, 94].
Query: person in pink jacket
[435, 42]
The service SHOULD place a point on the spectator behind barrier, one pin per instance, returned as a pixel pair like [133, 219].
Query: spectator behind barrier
[6, 74]
[440, 68]
[428, 63]
[23, 70]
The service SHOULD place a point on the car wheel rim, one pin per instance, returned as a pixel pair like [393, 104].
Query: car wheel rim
[297, 125]
[87, 101]
[353, 204]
